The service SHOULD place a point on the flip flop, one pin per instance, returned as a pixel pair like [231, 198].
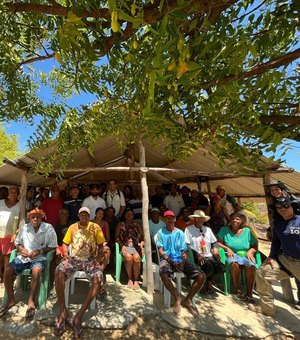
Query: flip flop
[191, 309]
[4, 309]
[77, 330]
[30, 313]
[60, 328]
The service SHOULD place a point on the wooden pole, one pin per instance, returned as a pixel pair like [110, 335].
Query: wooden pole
[147, 239]
[23, 190]
[286, 283]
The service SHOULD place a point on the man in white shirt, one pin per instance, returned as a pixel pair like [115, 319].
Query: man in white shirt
[114, 198]
[174, 201]
[33, 242]
[94, 201]
[201, 240]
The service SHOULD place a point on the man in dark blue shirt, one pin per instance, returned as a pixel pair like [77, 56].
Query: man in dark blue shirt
[284, 258]
[73, 203]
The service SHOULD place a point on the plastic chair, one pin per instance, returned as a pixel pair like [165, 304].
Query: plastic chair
[44, 284]
[177, 275]
[119, 260]
[222, 259]
[227, 277]
[70, 283]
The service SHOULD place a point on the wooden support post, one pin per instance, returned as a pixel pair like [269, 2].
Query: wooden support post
[23, 191]
[286, 283]
[147, 239]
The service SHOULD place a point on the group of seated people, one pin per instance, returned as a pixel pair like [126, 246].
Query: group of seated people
[84, 247]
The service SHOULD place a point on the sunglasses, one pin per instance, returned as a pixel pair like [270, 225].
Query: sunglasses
[285, 206]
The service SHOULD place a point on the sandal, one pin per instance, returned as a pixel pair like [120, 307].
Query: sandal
[30, 313]
[136, 287]
[250, 300]
[4, 309]
[60, 328]
[77, 330]
[240, 295]
[102, 294]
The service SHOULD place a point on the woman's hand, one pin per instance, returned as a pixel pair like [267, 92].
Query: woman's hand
[123, 250]
[250, 255]
[230, 253]
[215, 253]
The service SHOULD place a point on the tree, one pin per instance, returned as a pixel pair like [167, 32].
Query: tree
[8, 145]
[193, 73]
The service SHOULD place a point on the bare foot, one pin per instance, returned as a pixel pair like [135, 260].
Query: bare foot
[177, 307]
[189, 306]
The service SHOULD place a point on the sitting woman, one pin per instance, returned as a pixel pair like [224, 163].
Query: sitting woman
[129, 235]
[99, 215]
[201, 240]
[235, 238]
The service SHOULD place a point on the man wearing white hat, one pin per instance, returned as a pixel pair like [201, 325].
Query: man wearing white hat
[201, 240]
[85, 238]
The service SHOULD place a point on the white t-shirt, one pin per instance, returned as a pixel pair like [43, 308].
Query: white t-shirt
[200, 241]
[8, 217]
[174, 203]
[114, 199]
[93, 204]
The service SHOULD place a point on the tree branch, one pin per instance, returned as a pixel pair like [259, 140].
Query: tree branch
[280, 119]
[32, 60]
[257, 70]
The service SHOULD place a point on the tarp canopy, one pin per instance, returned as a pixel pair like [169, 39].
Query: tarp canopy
[109, 154]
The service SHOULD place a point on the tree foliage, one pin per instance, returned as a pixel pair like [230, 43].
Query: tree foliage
[9, 147]
[192, 73]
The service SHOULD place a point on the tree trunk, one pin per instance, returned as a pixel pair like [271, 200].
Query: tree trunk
[147, 239]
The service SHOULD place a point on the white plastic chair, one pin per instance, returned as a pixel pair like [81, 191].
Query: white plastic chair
[71, 282]
[178, 276]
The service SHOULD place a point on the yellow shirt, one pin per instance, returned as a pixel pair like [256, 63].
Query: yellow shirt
[84, 241]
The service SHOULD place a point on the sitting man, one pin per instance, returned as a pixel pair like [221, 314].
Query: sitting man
[172, 249]
[33, 242]
[284, 258]
[85, 239]
[203, 243]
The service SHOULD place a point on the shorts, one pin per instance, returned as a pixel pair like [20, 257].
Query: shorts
[188, 269]
[242, 261]
[18, 266]
[6, 246]
[71, 265]
[131, 250]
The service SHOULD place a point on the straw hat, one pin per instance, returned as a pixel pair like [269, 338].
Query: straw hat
[199, 213]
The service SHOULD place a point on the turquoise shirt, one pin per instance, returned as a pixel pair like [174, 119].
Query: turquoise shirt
[244, 241]
[172, 242]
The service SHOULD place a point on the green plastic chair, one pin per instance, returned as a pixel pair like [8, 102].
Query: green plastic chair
[227, 277]
[222, 259]
[44, 284]
[119, 260]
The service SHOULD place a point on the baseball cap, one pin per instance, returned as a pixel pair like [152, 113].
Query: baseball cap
[169, 213]
[155, 210]
[73, 186]
[221, 187]
[84, 209]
